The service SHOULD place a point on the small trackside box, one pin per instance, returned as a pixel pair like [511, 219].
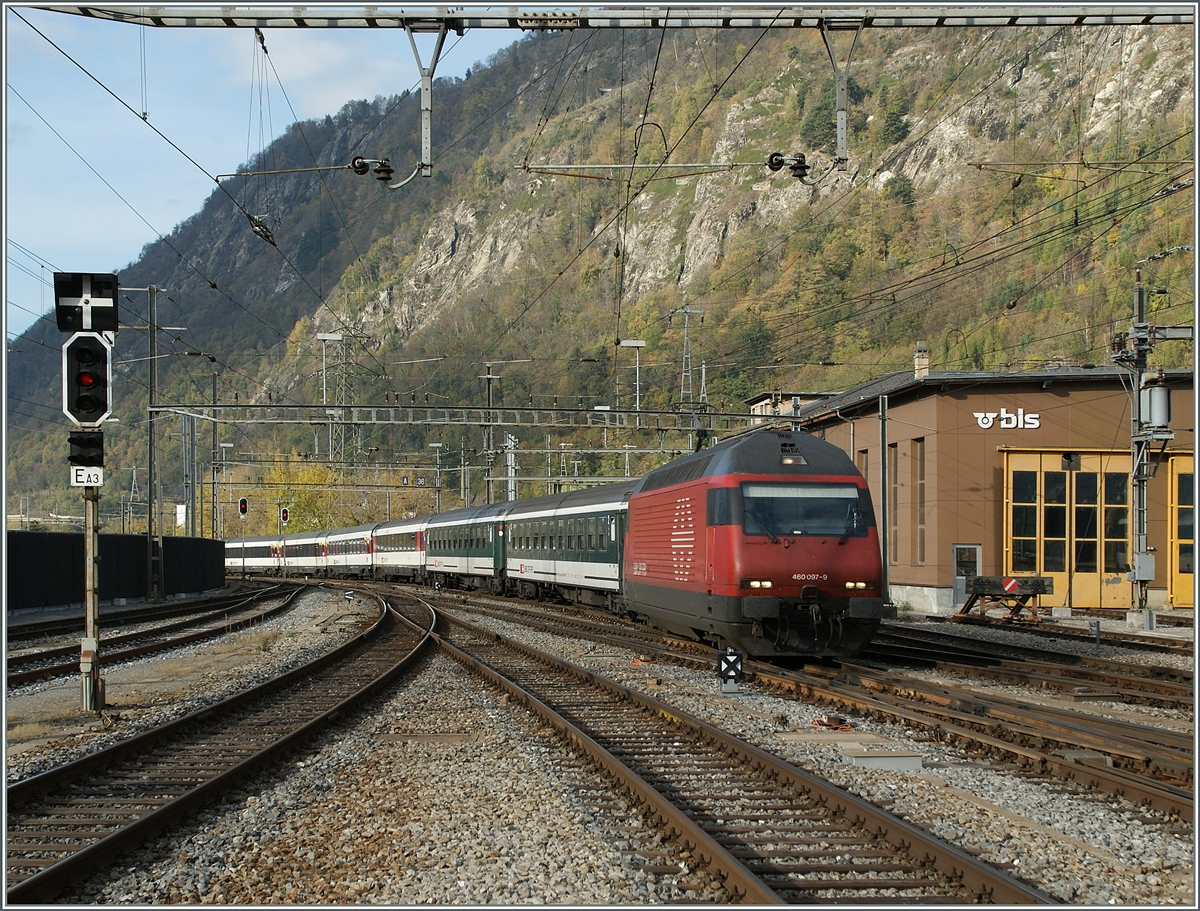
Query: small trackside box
[870, 609]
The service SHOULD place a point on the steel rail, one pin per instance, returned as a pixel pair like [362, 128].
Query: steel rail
[17, 631]
[1146, 688]
[985, 881]
[1164, 796]
[224, 766]
[833, 687]
[111, 655]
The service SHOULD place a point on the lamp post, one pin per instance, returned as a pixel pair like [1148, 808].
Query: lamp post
[637, 345]
[324, 337]
[437, 476]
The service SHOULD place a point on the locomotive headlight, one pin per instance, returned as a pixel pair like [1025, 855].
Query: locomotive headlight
[856, 585]
[757, 583]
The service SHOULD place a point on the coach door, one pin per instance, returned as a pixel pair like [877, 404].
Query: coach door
[1068, 519]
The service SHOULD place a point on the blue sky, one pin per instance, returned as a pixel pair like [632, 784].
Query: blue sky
[87, 183]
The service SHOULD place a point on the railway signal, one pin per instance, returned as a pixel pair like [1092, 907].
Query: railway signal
[242, 507]
[283, 515]
[86, 305]
[87, 449]
[87, 366]
[85, 302]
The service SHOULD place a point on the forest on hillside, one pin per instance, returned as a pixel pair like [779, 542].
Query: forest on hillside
[1004, 187]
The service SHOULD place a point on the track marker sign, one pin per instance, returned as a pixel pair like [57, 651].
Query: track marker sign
[87, 477]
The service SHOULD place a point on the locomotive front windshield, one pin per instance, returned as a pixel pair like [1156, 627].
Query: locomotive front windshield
[802, 509]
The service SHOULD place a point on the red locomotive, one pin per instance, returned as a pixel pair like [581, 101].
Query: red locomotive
[765, 542]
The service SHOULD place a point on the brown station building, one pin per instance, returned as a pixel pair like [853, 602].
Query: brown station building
[1021, 474]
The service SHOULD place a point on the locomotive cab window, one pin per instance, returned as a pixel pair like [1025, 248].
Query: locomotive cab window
[802, 509]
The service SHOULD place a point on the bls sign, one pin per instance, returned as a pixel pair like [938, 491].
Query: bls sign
[1008, 419]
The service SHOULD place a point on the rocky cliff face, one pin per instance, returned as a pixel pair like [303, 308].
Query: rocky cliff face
[395, 268]
[1051, 94]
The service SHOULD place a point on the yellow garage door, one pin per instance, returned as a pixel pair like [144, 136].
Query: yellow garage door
[1181, 590]
[1070, 522]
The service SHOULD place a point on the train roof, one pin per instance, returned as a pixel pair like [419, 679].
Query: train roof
[467, 514]
[355, 532]
[613, 495]
[760, 452]
[416, 523]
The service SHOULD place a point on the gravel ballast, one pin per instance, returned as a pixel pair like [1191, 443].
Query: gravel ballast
[444, 792]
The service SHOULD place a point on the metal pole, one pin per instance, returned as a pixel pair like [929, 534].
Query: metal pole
[885, 525]
[91, 686]
[637, 381]
[1143, 561]
[153, 520]
[437, 476]
[213, 516]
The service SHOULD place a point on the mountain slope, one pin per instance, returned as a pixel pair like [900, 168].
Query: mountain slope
[985, 209]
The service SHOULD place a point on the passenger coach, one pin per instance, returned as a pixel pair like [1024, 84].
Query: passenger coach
[568, 544]
[400, 550]
[766, 542]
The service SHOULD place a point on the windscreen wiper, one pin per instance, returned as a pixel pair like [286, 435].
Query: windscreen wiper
[762, 525]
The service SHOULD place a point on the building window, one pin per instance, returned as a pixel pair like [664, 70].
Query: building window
[1024, 521]
[1116, 522]
[1054, 522]
[893, 495]
[1184, 528]
[860, 462]
[918, 451]
[1087, 498]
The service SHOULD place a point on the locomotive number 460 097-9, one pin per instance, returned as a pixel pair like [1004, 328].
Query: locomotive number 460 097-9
[811, 577]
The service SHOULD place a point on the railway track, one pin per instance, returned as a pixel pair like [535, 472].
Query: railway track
[63, 660]
[64, 824]
[35, 631]
[1130, 640]
[773, 832]
[1146, 763]
[1083, 675]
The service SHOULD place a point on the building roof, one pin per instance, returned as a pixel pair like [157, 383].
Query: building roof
[768, 396]
[866, 396]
